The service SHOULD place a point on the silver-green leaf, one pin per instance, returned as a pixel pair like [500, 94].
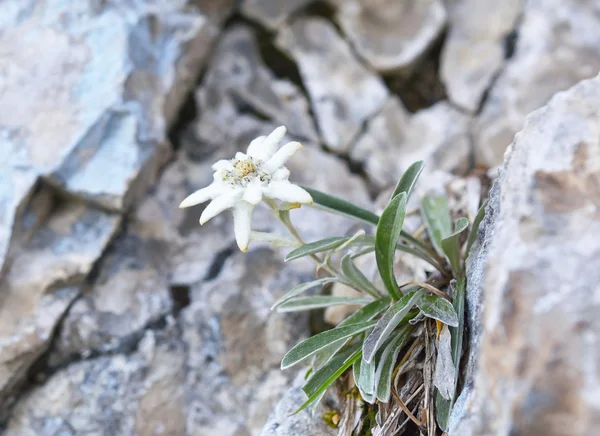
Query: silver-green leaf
[409, 179]
[315, 247]
[475, 228]
[437, 219]
[303, 287]
[438, 308]
[318, 302]
[452, 248]
[357, 278]
[385, 369]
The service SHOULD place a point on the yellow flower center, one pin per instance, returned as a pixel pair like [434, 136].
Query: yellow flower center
[243, 168]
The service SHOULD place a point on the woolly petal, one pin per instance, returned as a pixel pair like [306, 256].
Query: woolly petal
[223, 164]
[281, 156]
[270, 144]
[281, 174]
[242, 220]
[200, 196]
[253, 193]
[241, 156]
[255, 147]
[289, 192]
[218, 205]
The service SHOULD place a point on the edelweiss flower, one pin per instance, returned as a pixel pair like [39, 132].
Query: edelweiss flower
[242, 182]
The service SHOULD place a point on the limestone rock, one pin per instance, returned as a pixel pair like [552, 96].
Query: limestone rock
[392, 35]
[533, 281]
[474, 49]
[41, 282]
[558, 45]
[271, 13]
[394, 139]
[343, 93]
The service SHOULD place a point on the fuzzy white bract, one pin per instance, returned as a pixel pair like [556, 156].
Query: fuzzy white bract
[242, 182]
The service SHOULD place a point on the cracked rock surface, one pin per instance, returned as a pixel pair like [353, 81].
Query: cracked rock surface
[120, 315]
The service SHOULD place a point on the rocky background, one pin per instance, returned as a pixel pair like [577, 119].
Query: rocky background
[119, 315]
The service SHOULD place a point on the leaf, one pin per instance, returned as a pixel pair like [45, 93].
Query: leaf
[357, 278]
[475, 228]
[442, 411]
[322, 375]
[385, 369]
[451, 247]
[310, 346]
[388, 322]
[363, 314]
[356, 371]
[366, 379]
[345, 207]
[319, 392]
[303, 287]
[445, 372]
[438, 308]
[317, 302]
[437, 220]
[409, 179]
[315, 247]
[386, 238]
[272, 238]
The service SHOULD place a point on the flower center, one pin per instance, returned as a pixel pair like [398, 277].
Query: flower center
[244, 171]
[243, 168]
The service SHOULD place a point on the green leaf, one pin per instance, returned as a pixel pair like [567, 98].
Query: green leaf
[339, 205]
[442, 410]
[303, 287]
[357, 278]
[475, 228]
[385, 369]
[315, 247]
[386, 238]
[409, 179]
[357, 369]
[437, 220]
[319, 392]
[315, 343]
[363, 314]
[317, 302]
[388, 322]
[452, 248]
[322, 375]
[438, 308]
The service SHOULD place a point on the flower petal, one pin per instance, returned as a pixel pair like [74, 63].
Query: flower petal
[270, 144]
[253, 193]
[242, 220]
[223, 164]
[281, 174]
[218, 205]
[281, 156]
[289, 192]
[255, 147]
[241, 156]
[200, 196]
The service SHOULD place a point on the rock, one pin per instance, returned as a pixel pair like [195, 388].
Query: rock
[44, 278]
[474, 49]
[94, 121]
[558, 45]
[533, 281]
[140, 393]
[239, 83]
[308, 422]
[394, 139]
[391, 35]
[216, 10]
[271, 13]
[343, 93]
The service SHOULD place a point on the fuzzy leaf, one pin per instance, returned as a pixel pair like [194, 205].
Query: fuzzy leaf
[315, 343]
[437, 220]
[386, 238]
[438, 308]
[388, 322]
[345, 207]
[475, 228]
[445, 372]
[303, 287]
[452, 248]
[357, 278]
[442, 411]
[409, 179]
[318, 302]
[322, 375]
[315, 247]
[385, 369]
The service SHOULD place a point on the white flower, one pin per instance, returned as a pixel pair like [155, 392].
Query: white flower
[241, 183]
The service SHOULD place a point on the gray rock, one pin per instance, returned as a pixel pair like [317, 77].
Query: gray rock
[308, 422]
[271, 13]
[343, 93]
[216, 10]
[94, 121]
[558, 45]
[394, 139]
[474, 49]
[533, 281]
[43, 279]
[392, 35]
